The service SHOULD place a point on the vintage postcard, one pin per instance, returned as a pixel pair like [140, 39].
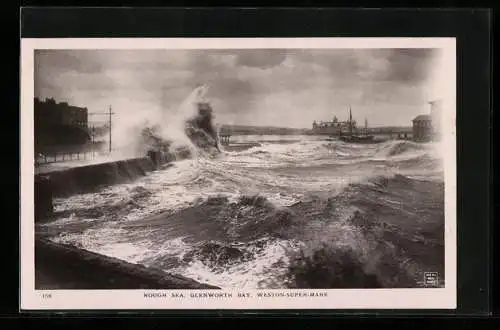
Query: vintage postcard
[315, 173]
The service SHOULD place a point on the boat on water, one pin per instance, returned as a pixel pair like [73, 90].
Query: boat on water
[359, 139]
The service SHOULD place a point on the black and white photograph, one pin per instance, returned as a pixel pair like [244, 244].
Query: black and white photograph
[241, 171]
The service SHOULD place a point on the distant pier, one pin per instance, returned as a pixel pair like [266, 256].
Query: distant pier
[391, 133]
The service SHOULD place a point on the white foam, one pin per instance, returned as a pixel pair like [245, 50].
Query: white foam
[281, 173]
[259, 272]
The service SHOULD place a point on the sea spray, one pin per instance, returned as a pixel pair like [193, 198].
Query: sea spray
[182, 132]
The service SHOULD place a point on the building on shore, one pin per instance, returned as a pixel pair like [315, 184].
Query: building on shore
[427, 127]
[333, 127]
[422, 128]
[49, 112]
[58, 124]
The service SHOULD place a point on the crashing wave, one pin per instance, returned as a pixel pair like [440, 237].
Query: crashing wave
[198, 131]
[364, 237]
[396, 148]
[201, 130]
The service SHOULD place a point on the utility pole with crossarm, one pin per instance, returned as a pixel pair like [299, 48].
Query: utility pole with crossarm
[110, 113]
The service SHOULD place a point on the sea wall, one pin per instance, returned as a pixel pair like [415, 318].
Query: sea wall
[59, 266]
[88, 178]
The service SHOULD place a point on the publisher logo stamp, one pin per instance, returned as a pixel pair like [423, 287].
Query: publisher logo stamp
[431, 279]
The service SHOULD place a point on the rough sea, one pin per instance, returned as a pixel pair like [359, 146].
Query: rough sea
[289, 212]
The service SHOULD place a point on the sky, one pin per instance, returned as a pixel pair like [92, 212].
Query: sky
[265, 87]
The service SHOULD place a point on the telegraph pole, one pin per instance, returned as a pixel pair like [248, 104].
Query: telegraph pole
[110, 114]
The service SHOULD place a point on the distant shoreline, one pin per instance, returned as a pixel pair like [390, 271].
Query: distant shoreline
[269, 130]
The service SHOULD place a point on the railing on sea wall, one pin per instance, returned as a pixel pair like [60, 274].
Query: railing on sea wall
[62, 153]
[224, 138]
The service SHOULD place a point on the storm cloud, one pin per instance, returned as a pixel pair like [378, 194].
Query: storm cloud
[277, 87]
